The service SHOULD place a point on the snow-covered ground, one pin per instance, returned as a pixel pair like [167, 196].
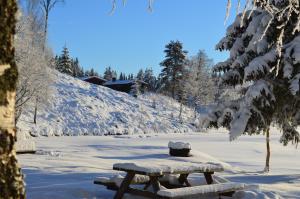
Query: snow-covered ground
[81, 108]
[65, 167]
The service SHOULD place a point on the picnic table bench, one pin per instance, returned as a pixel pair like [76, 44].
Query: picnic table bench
[156, 177]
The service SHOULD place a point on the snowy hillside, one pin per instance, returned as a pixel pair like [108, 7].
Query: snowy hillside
[80, 108]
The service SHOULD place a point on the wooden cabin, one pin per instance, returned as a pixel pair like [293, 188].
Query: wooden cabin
[95, 80]
[125, 85]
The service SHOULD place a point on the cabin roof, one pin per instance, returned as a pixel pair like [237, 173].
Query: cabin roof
[93, 77]
[121, 82]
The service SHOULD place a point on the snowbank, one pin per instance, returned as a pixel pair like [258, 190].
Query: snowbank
[81, 108]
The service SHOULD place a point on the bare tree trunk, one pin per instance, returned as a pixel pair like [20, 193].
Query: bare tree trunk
[180, 111]
[267, 166]
[11, 178]
[35, 110]
[45, 30]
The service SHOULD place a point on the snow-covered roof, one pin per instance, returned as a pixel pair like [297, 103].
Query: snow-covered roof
[115, 82]
[91, 77]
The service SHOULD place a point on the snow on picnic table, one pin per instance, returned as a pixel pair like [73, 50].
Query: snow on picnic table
[174, 168]
[65, 167]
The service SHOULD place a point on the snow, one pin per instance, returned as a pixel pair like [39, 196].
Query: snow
[201, 190]
[118, 82]
[174, 168]
[117, 179]
[179, 145]
[82, 159]
[25, 146]
[81, 108]
[24, 143]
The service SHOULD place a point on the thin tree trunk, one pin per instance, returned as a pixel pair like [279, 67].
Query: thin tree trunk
[267, 166]
[11, 178]
[180, 111]
[45, 30]
[35, 110]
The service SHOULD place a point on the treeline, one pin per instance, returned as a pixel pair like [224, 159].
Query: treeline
[65, 64]
[186, 79]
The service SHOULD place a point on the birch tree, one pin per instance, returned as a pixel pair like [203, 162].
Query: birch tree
[199, 82]
[11, 178]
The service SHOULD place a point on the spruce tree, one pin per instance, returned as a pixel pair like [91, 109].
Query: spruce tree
[140, 75]
[65, 62]
[108, 73]
[173, 68]
[76, 68]
[264, 45]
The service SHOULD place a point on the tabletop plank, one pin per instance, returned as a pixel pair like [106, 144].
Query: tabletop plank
[174, 168]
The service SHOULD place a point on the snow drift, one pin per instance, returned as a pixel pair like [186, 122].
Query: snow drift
[81, 108]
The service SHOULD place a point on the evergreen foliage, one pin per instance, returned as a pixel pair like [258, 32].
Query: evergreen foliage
[173, 68]
[150, 79]
[265, 61]
[64, 64]
[109, 74]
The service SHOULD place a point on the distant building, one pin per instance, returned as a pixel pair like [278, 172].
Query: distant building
[95, 80]
[125, 85]
[118, 85]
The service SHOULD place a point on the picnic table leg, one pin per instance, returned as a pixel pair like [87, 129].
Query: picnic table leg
[183, 179]
[208, 177]
[155, 183]
[124, 185]
[147, 185]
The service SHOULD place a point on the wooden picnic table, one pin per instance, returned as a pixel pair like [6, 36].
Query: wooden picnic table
[156, 172]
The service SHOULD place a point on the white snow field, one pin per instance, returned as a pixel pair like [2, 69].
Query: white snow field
[65, 167]
[81, 108]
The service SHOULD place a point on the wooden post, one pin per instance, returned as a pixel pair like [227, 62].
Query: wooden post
[267, 166]
[11, 178]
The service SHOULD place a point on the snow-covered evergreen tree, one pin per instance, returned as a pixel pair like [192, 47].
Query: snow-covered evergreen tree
[150, 79]
[77, 70]
[109, 74]
[264, 45]
[135, 89]
[173, 67]
[140, 75]
[122, 76]
[65, 62]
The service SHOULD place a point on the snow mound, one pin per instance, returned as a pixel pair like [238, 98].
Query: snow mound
[257, 194]
[179, 145]
[81, 108]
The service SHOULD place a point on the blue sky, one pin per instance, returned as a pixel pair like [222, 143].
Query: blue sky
[133, 38]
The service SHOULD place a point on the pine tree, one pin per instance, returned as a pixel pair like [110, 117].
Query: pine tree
[108, 73]
[173, 68]
[264, 59]
[81, 72]
[65, 62]
[130, 77]
[114, 74]
[121, 76]
[76, 68]
[140, 75]
[135, 89]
